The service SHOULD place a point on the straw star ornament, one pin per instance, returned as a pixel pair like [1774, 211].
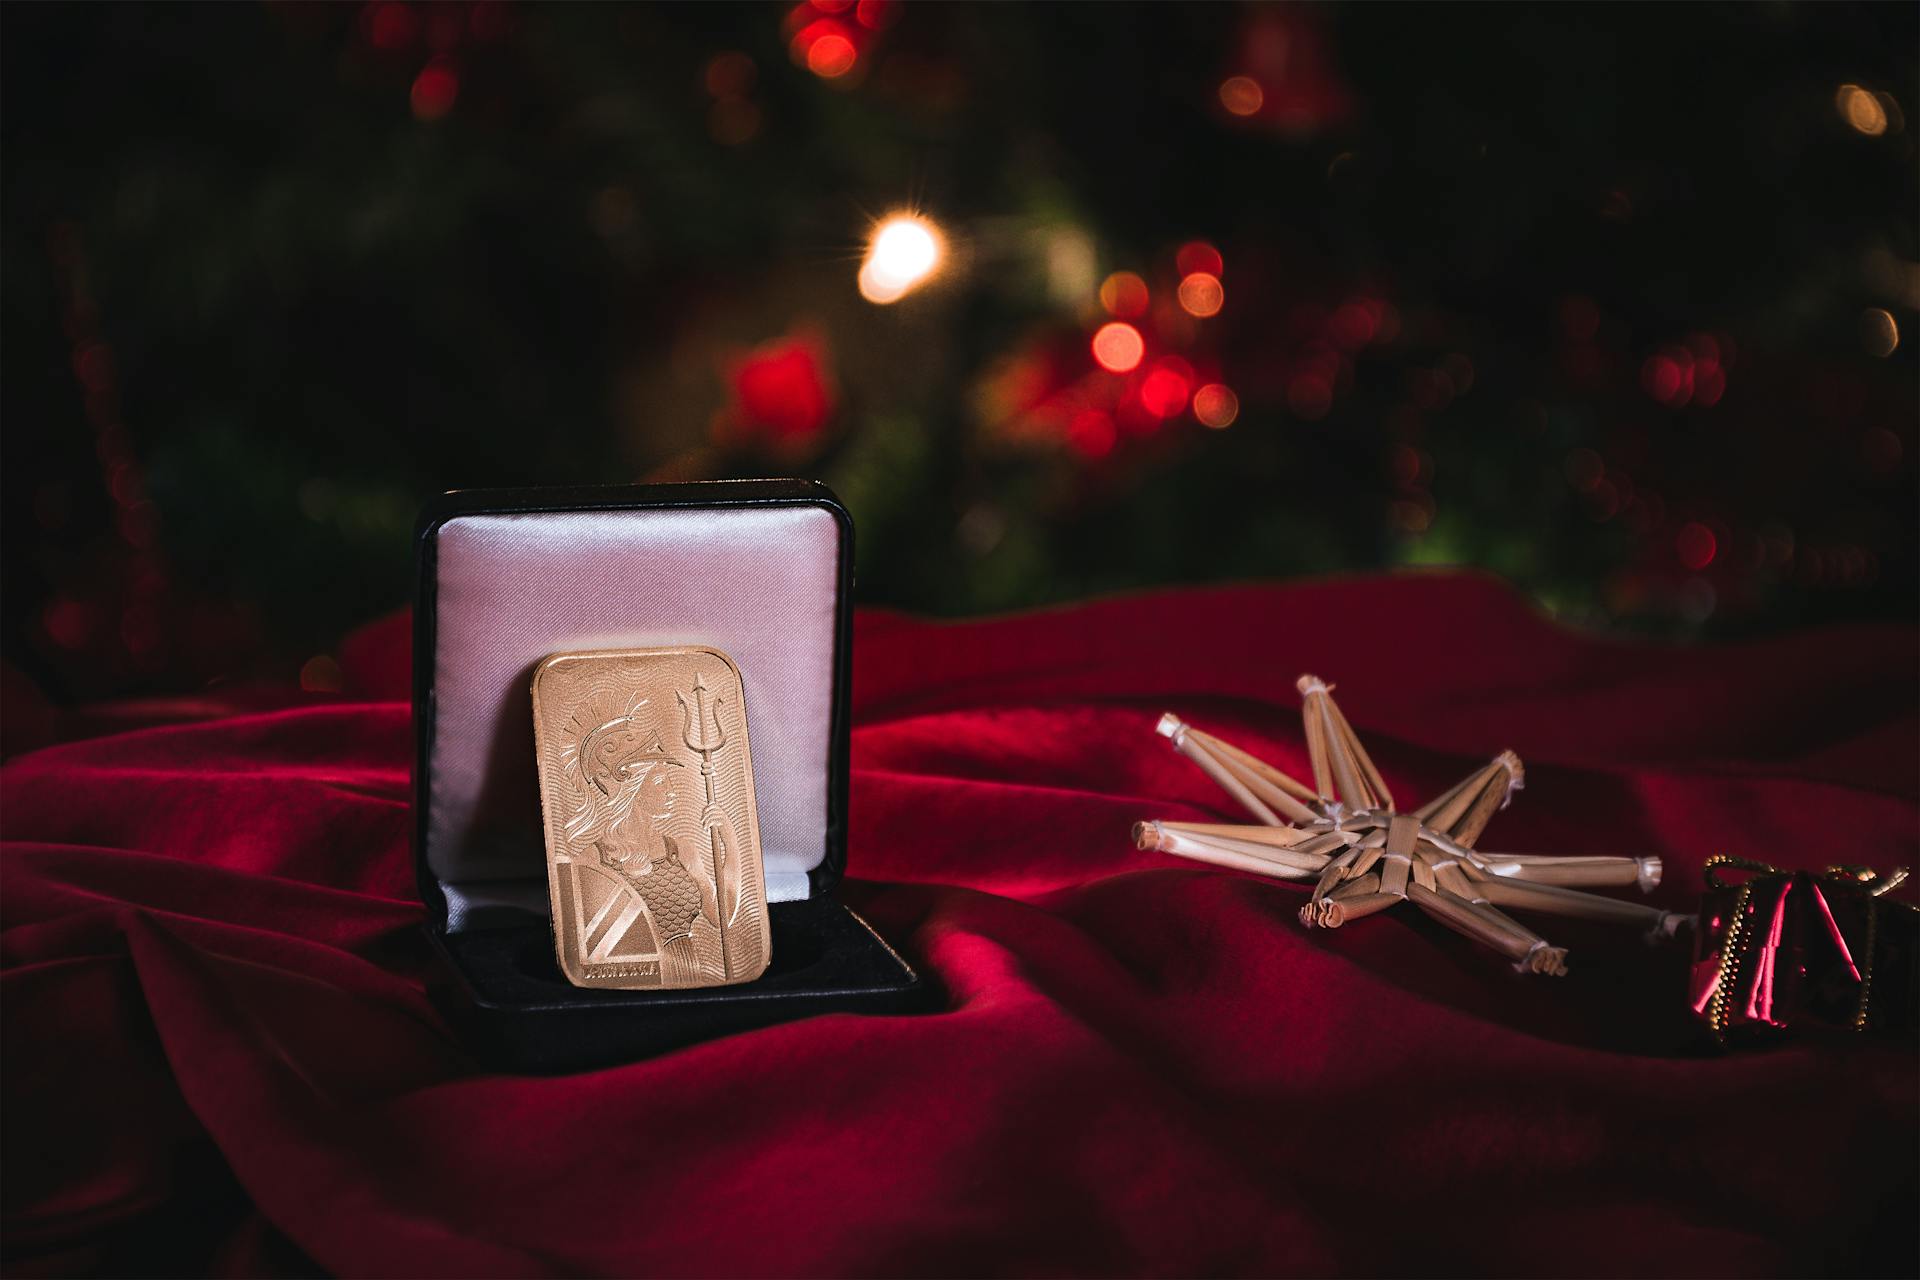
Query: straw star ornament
[1363, 855]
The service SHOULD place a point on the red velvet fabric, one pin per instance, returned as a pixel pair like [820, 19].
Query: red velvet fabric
[218, 1054]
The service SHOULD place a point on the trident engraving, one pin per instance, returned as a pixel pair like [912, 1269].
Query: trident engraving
[708, 744]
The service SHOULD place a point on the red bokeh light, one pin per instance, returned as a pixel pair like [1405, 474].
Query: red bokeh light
[729, 74]
[1354, 324]
[831, 56]
[1696, 545]
[68, 623]
[391, 26]
[1118, 347]
[1199, 256]
[781, 391]
[1092, 433]
[1709, 384]
[1663, 379]
[435, 89]
[1164, 391]
[876, 15]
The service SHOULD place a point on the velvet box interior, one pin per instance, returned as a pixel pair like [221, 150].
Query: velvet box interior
[759, 569]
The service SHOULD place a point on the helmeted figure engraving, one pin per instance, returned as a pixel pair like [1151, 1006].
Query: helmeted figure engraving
[632, 789]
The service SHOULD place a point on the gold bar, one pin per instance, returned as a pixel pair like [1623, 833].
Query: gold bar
[653, 841]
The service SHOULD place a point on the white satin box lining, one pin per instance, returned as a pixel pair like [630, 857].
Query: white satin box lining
[759, 583]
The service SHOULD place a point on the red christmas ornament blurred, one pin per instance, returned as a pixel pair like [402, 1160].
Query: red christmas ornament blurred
[783, 395]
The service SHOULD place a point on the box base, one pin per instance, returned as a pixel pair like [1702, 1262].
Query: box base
[502, 989]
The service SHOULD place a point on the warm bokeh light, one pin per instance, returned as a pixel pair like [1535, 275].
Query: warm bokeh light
[434, 90]
[1696, 545]
[1118, 347]
[876, 15]
[1124, 295]
[1861, 110]
[1879, 332]
[1164, 391]
[905, 252]
[1201, 295]
[1242, 95]
[1198, 255]
[1215, 405]
[831, 55]
[729, 74]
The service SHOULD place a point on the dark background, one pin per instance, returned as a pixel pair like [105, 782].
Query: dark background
[1598, 299]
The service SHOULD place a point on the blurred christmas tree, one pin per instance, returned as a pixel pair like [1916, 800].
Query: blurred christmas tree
[1617, 302]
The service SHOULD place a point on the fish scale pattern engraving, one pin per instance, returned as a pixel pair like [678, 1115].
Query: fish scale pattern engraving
[672, 896]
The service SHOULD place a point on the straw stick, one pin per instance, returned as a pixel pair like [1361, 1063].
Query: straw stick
[1450, 876]
[1239, 861]
[1173, 729]
[1463, 811]
[1529, 952]
[1323, 723]
[1351, 900]
[1334, 912]
[1284, 837]
[1376, 795]
[1280, 791]
[1155, 835]
[1493, 798]
[1571, 902]
[1316, 728]
[1597, 870]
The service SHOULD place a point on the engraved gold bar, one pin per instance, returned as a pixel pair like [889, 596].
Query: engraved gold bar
[653, 842]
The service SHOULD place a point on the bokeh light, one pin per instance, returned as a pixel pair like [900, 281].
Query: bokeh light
[434, 90]
[1242, 95]
[831, 56]
[1861, 110]
[904, 253]
[1118, 347]
[1124, 295]
[1696, 545]
[1201, 295]
[1198, 255]
[1092, 432]
[1165, 390]
[1215, 405]
[729, 74]
[1879, 332]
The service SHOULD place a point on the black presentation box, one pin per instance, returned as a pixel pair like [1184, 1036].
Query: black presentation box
[761, 569]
